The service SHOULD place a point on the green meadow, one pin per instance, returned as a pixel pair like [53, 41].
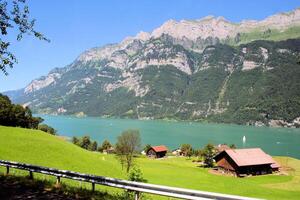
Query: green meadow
[36, 147]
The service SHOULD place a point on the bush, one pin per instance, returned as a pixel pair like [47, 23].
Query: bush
[75, 140]
[208, 155]
[136, 175]
[47, 129]
[85, 142]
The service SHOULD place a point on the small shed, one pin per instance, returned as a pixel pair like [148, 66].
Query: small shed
[177, 152]
[157, 151]
[252, 161]
[110, 150]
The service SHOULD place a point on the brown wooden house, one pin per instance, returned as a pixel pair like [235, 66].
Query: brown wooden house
[157, 151]
[246, 161]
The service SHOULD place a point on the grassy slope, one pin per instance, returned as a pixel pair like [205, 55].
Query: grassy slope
[258, 34]
[35, 147]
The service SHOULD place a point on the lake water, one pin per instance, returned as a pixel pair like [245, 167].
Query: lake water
[275, 141]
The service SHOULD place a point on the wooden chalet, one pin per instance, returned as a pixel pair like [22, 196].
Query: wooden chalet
[246, 161]
[157, 151]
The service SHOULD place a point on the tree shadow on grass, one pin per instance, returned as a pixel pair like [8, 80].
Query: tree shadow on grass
[17, 187]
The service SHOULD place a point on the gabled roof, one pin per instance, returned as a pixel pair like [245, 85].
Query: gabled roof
[275, 165]
[248, 157]
[160, 148]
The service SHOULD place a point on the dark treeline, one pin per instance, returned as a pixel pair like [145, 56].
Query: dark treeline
[86, 143]
[18, 116]
[47, 129]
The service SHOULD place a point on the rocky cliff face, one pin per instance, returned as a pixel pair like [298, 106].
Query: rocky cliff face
[198, 70]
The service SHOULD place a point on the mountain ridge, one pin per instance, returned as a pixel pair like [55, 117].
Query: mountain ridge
[279, 20]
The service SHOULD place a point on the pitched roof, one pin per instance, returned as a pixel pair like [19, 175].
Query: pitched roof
[160, 148]
[275, 165]
[246, 157]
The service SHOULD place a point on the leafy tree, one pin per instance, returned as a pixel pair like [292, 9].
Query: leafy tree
[19, 116]
[14, 15]
[186, 150]
[105, 146]
[198, 152]
[47, 129]
[33, 122]
[75, 140]
[147, 147]
[127, 145]
[93, 146]
[232, 146]
[5, 108]
[16, 115]
[208, 155]
[85, 142]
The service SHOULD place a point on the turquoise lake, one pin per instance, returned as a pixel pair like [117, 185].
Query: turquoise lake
[275, 141]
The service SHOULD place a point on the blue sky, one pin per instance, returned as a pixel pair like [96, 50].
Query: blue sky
[75, 26]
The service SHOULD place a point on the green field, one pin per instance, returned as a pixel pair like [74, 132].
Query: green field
[36, 147]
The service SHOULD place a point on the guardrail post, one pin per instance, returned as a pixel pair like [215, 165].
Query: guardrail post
[57, 180]
[93, 187]
[137, 195]
[7, 170]
[30, 175]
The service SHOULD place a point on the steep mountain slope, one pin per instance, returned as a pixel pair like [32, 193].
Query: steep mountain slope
[188, 70]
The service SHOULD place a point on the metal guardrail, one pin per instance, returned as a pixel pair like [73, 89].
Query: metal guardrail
[137, 187]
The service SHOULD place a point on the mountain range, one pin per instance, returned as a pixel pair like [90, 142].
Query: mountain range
[204, 70]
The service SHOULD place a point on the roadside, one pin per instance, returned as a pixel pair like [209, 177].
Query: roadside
[13, 188]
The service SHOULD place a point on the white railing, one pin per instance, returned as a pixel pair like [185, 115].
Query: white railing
[136, 187]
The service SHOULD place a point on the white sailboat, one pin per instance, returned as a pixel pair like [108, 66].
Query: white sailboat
[244, 139]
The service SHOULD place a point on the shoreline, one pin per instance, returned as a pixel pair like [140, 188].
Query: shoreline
[169, 120]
